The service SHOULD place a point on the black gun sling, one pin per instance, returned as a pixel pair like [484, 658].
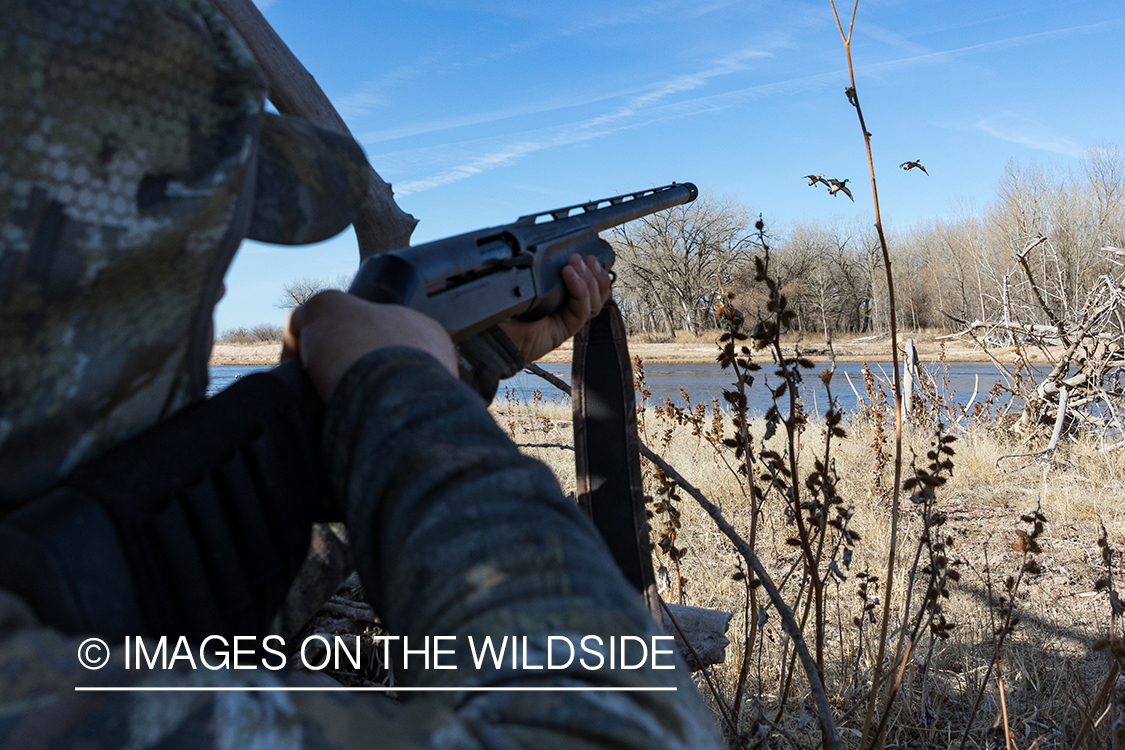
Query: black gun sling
[607, 448]
[195, 527]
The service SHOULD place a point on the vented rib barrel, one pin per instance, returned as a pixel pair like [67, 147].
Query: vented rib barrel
[610, 212]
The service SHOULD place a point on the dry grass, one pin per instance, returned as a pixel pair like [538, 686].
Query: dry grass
[1049, 671]
[542, 428]
[679, 337]
[246, 354]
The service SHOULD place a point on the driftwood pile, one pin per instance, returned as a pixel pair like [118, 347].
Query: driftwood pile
[1080, 388]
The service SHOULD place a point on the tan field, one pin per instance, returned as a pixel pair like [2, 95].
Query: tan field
[246, 354]
[1048, 667]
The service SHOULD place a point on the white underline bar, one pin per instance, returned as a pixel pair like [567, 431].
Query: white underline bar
[342, 688]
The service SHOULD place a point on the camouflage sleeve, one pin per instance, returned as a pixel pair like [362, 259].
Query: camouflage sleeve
[457, 534]
[487, 358]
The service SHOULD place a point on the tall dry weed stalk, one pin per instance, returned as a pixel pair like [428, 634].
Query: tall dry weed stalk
[807, 497]
[853, 97]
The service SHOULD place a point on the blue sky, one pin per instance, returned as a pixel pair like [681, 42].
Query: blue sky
[482, 110]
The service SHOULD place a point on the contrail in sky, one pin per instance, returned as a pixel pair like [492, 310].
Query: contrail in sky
[475, 156]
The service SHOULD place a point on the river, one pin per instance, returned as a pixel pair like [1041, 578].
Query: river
[704, 382]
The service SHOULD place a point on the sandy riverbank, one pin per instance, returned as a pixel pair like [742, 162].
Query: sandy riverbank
[246, 354]
[846, 350]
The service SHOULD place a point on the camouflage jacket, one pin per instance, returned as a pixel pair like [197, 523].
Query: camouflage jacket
[455, 533]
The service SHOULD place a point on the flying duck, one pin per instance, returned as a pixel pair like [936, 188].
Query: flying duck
[835, 186]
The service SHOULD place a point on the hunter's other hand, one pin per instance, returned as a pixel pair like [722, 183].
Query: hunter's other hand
[587, 287]
[333, 330]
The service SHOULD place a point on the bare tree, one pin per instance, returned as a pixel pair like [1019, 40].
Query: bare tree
[673, 265]
[297, 292]
[798, 262]
[263, 333]
[918, 267]
[823, 280]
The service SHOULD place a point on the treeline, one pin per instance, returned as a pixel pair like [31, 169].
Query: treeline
[1030, 257]
[263, 333]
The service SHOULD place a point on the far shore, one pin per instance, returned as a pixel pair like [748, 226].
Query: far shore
[860, 349]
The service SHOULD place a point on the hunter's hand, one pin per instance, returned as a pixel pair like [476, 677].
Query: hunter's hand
[331, 331]
[587, 287]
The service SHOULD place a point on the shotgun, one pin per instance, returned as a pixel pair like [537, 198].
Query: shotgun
[471, 281]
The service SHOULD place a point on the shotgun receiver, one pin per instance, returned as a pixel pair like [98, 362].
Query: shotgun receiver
[471, 281]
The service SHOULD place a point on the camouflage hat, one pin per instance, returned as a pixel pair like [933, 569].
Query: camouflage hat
[135, 155]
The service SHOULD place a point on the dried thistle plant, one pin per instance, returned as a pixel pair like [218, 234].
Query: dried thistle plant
[934, 578]
[664, 508]
[1005, 609]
